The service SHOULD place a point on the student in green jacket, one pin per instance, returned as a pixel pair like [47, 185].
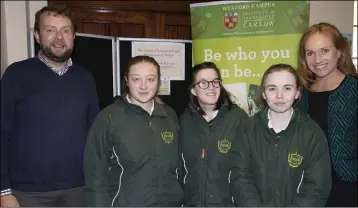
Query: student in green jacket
[131, 156]
[207, 129]
[281, 157]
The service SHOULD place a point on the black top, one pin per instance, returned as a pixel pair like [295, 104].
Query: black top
[343, 194]
[318, 108]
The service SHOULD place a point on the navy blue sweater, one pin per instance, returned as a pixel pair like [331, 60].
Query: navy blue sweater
[45, 119]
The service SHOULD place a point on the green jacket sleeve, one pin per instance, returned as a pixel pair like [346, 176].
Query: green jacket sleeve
[242, 187]
[316, 182]
[96, 163]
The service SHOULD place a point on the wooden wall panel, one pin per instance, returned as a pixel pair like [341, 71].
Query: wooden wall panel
[131, 30]
[139, 19]
[97, 28]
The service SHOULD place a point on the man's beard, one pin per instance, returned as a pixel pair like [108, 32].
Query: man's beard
[46, 50]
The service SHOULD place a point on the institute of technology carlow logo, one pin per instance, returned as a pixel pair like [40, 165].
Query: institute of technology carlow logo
[231, 19]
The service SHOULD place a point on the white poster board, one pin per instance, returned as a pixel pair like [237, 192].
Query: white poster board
[169, 55]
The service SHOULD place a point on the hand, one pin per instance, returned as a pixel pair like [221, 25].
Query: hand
[8, 201]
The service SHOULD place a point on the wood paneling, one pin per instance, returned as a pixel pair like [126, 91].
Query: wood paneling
[156, 6]
[97, 28]
[176, 26]
[137, 19]
[114, 23]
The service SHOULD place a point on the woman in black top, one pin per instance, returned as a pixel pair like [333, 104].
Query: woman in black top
[329, 77]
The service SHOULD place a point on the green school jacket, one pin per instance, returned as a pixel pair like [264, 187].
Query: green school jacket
[205, 147]
[290, 168]
[131, 158]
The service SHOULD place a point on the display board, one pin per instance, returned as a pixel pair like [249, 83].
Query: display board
[245, 38]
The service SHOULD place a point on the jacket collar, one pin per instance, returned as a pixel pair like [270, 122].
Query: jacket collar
[158, 110]
[193, 109]
[151, 110]
[296, 117]
[270, 121]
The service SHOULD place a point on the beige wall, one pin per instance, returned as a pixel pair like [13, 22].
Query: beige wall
[17, 17]
[338, 13]
[13, 28]
[3, 38]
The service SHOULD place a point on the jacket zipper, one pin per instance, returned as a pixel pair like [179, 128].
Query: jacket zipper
[156, 154]
[275, 150]
[153, 136]
[204, 154]
[274, 156]
[203, 157]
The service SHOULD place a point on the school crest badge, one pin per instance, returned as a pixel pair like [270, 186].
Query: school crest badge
[167, 137]
[294, 159]
[231, 19]
[224, 146]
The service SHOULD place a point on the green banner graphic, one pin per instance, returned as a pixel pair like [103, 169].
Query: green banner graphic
[245, 38]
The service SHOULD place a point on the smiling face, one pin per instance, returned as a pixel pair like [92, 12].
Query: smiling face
[142, 82]
[55, 36]
[280, 91]
[206, 86]
[321, 55]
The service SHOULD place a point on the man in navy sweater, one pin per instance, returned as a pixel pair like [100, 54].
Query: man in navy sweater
[48, 104]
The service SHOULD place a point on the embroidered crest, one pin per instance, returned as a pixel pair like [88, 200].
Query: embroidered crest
[224, 146]
[231, 19]
[167, 137]
[294, 159]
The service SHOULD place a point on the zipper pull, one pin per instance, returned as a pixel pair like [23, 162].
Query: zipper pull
[275, 150]
[202, 153]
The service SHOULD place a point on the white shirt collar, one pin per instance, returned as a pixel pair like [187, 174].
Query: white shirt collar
[151, 110]
[214, 115]
[270, 123]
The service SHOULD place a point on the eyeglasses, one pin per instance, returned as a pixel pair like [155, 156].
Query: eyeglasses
[203, 84]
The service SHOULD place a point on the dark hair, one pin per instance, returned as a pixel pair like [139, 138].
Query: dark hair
[224, 94]
[139, 59]
[345, 62]
[54, 11]
[277, 68]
